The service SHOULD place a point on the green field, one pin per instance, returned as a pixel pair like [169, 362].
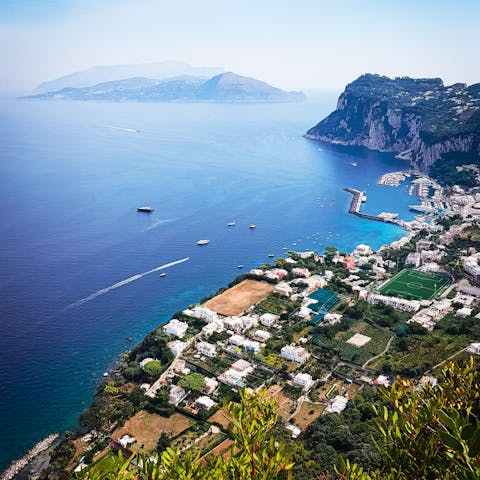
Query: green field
[413, 284]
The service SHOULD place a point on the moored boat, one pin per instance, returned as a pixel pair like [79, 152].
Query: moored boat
[145, 209]
[231, 224]
[203, 242]
[252, 226]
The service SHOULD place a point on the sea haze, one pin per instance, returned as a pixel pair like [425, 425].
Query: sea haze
[72, 175]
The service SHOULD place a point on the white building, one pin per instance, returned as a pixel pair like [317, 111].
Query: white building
[176, 346]
[301, 272]
[210, 384]
[207, 349]
[303, 380]
[237, 340]
[204, 402]
[215, 326]
[262, 335]
[175, 327]
[396, 302]
[235, 324]
[463, 312]
[202, 313]
[332, 318]
[249, 322]
[268, 319]
[242, 366]
[176, 395]
[474, 348]
[337, 405]
[283, 288]
[362, 249]
[295, 431]
[471, 265]
[294, 354]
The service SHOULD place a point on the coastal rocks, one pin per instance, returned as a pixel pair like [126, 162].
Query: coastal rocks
[418, 119]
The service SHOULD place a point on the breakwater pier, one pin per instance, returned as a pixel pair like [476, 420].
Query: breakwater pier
[356, 205]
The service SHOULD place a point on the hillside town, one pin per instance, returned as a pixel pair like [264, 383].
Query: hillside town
[314, 329]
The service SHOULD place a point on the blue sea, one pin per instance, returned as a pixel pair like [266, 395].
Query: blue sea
[72, 175]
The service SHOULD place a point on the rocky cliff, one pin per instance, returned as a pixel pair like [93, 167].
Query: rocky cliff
[418, 119]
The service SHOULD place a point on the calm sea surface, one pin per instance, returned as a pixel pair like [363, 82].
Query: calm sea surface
[70, 182]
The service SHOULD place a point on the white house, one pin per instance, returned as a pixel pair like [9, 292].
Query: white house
[176, 346]
[283, 288]
[301, 272]
[294, 354]
[303, 380]
[210, 384]
[268, 319]
[215, 326]
[233, 323]
[337, 405]
[175, 327]
[362, 249]
[202, 313]
[463, 312]
[207, 349]
[397, 303]
[204, 402]
[176, 395]
[237, 340]
[262, 335]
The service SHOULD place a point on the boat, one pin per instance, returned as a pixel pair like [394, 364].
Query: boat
[128, 339]
[231, 224]
[252, 226]
[203, 242]
[353, 164]
[145, 209]
[163, 274]
[239, 266]
[271, 255]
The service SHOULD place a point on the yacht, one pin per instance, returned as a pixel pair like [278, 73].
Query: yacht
[163, 274]
[145, 209]
[252, 226]
[231, 224]
[203, 242]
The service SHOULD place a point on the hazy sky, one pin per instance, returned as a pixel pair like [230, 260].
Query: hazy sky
[304, 44]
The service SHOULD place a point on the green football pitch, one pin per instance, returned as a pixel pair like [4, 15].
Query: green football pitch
[416, 285]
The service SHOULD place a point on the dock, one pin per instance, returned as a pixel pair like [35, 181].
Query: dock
[356, 205]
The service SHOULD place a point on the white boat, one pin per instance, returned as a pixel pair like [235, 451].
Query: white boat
[271, 255]
[145, 209]
[163, 274]
[239, 266]
[203, 242]
[231, 224]
[353, 164]
[252, 226]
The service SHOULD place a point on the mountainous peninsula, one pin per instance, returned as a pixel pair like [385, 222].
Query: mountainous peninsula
[226, 88]
[421, 120]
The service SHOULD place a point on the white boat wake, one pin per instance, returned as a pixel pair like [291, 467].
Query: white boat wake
[131, 279]
[123, 129]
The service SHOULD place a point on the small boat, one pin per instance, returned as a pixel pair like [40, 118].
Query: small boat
[230, 224]
[145, 209]
[163, 274]
[353, 164]
[203, 242]
[239, 266]
[252, 226]
[271, 255]
[128, 339]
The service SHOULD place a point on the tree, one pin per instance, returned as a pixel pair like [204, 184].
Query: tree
[193, 381]
[431, 432]
[153, 369]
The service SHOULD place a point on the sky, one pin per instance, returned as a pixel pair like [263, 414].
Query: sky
[294, 44]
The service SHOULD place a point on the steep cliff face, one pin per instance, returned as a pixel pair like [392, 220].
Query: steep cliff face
[418, 119]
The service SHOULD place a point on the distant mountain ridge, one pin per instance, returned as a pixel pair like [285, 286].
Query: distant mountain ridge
[102, 74]
[226, 87]
[419, 119]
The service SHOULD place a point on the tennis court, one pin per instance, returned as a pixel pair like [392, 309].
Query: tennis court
[326, 299]
[413, 284]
